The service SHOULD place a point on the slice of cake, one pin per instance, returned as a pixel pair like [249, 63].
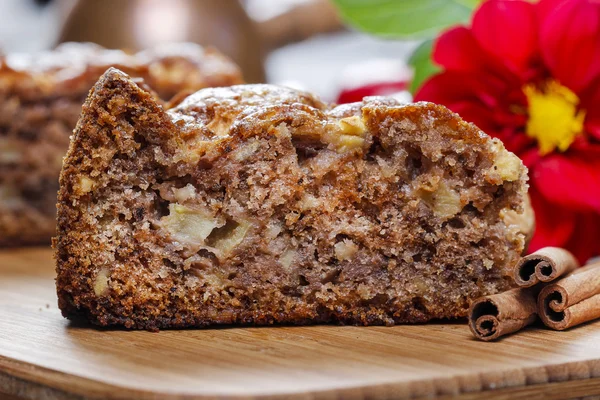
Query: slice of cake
[40, 101]
[258, 204]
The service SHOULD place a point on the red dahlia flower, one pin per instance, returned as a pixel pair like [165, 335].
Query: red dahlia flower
[529, 74]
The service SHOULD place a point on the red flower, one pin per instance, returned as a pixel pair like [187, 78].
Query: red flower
[529, 74]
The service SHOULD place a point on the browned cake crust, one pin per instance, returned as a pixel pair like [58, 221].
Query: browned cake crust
[258, 204]
[40, 102]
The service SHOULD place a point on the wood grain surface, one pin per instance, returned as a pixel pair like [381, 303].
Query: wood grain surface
[43, 355]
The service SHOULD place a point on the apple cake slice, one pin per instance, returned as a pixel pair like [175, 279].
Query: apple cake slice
[258, 204]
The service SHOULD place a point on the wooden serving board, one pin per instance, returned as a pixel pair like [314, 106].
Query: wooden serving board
[43, 355]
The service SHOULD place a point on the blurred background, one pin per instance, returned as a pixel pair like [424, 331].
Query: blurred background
[285, 42]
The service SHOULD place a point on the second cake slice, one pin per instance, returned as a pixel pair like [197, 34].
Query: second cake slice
[40, 101]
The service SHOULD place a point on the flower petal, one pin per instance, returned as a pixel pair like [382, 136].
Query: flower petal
[569, 32]
[562, 227]
[457, 49]
[461, 94]
[584, 243]
[352, 95]
[590, 103]
[508, 30]
[554, 225]
[451, 86]
[592, 126]
[570, 179]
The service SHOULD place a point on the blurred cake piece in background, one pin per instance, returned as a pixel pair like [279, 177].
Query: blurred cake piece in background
[40, 101]
[245, 30]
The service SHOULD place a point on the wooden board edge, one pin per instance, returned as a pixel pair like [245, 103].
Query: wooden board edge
[574, 389]
[29, 381]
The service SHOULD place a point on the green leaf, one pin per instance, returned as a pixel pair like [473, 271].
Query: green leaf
[405, 18]
[469, 3]
[422, 64]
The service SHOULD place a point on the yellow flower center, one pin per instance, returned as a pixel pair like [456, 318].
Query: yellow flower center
[554, 118]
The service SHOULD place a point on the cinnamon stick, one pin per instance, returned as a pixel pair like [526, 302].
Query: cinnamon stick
[545, 265]
[497, 315]
[572, 300]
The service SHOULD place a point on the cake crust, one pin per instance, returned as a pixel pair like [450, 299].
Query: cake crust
[256, 204]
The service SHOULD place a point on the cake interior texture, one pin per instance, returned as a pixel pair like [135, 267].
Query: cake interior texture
[257, 204]
[40, 101]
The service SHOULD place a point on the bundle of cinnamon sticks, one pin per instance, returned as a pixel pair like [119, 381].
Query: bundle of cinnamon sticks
[550, 285]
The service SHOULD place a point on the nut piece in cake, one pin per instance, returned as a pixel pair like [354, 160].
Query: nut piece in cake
[187, 225]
